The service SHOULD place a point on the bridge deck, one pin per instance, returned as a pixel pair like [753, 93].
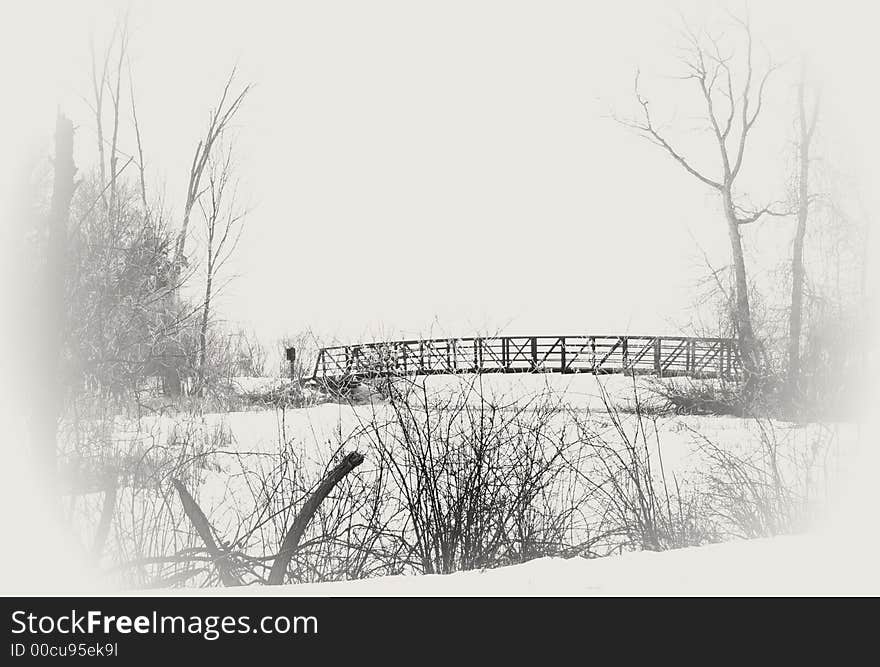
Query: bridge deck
[658, 355]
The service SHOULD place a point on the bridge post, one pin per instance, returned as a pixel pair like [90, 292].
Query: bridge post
[658, 369]
[562, 368]
[624, 351]
[290, 353]
[534, 342]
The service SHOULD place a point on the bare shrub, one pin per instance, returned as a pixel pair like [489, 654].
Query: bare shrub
[698, 397]
[639, 506]
[149, 543]
[776, 488]
[249, 499]
[481, 483]
[234, 353]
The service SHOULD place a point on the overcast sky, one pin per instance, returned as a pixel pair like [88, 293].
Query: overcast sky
[450, 164]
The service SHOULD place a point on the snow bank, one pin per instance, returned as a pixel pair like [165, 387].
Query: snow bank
[816, 564]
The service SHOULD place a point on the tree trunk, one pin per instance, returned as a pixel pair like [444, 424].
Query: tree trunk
[748, 347]
[797, 258]
[796, 315]
[48, 403]
[203, 332]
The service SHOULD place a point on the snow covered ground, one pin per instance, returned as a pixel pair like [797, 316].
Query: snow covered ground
[815, 564]
[837, 557]
[252, 438]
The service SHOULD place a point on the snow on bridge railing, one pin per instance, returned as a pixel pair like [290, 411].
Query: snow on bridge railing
[658, 355]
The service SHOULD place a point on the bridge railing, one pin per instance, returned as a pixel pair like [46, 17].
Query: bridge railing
[658, 355]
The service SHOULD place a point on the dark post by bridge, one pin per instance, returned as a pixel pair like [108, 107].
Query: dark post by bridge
[663, 356]
[291, 359]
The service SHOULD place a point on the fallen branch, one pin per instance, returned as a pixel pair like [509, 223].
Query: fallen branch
[200, 521]
[106, 515]
[291, 540]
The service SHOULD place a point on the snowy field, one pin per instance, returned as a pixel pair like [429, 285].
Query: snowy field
[254, 436]
[233, 449]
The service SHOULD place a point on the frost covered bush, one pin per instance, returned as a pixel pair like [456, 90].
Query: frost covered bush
[481, 483]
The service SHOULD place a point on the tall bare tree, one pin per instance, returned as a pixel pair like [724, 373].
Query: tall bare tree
[223, 226]
[219, 121]
[806, 128]
[120, 236]
[48, 404]
[732, 90]
[109, 81]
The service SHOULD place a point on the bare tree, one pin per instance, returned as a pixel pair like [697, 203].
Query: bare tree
[48, 405]
[223, 227]
[733, 100]
[131, 326]
[806, 128]
[220, 119]
[110, 81]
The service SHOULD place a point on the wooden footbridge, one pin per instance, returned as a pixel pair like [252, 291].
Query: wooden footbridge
[664, 356]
